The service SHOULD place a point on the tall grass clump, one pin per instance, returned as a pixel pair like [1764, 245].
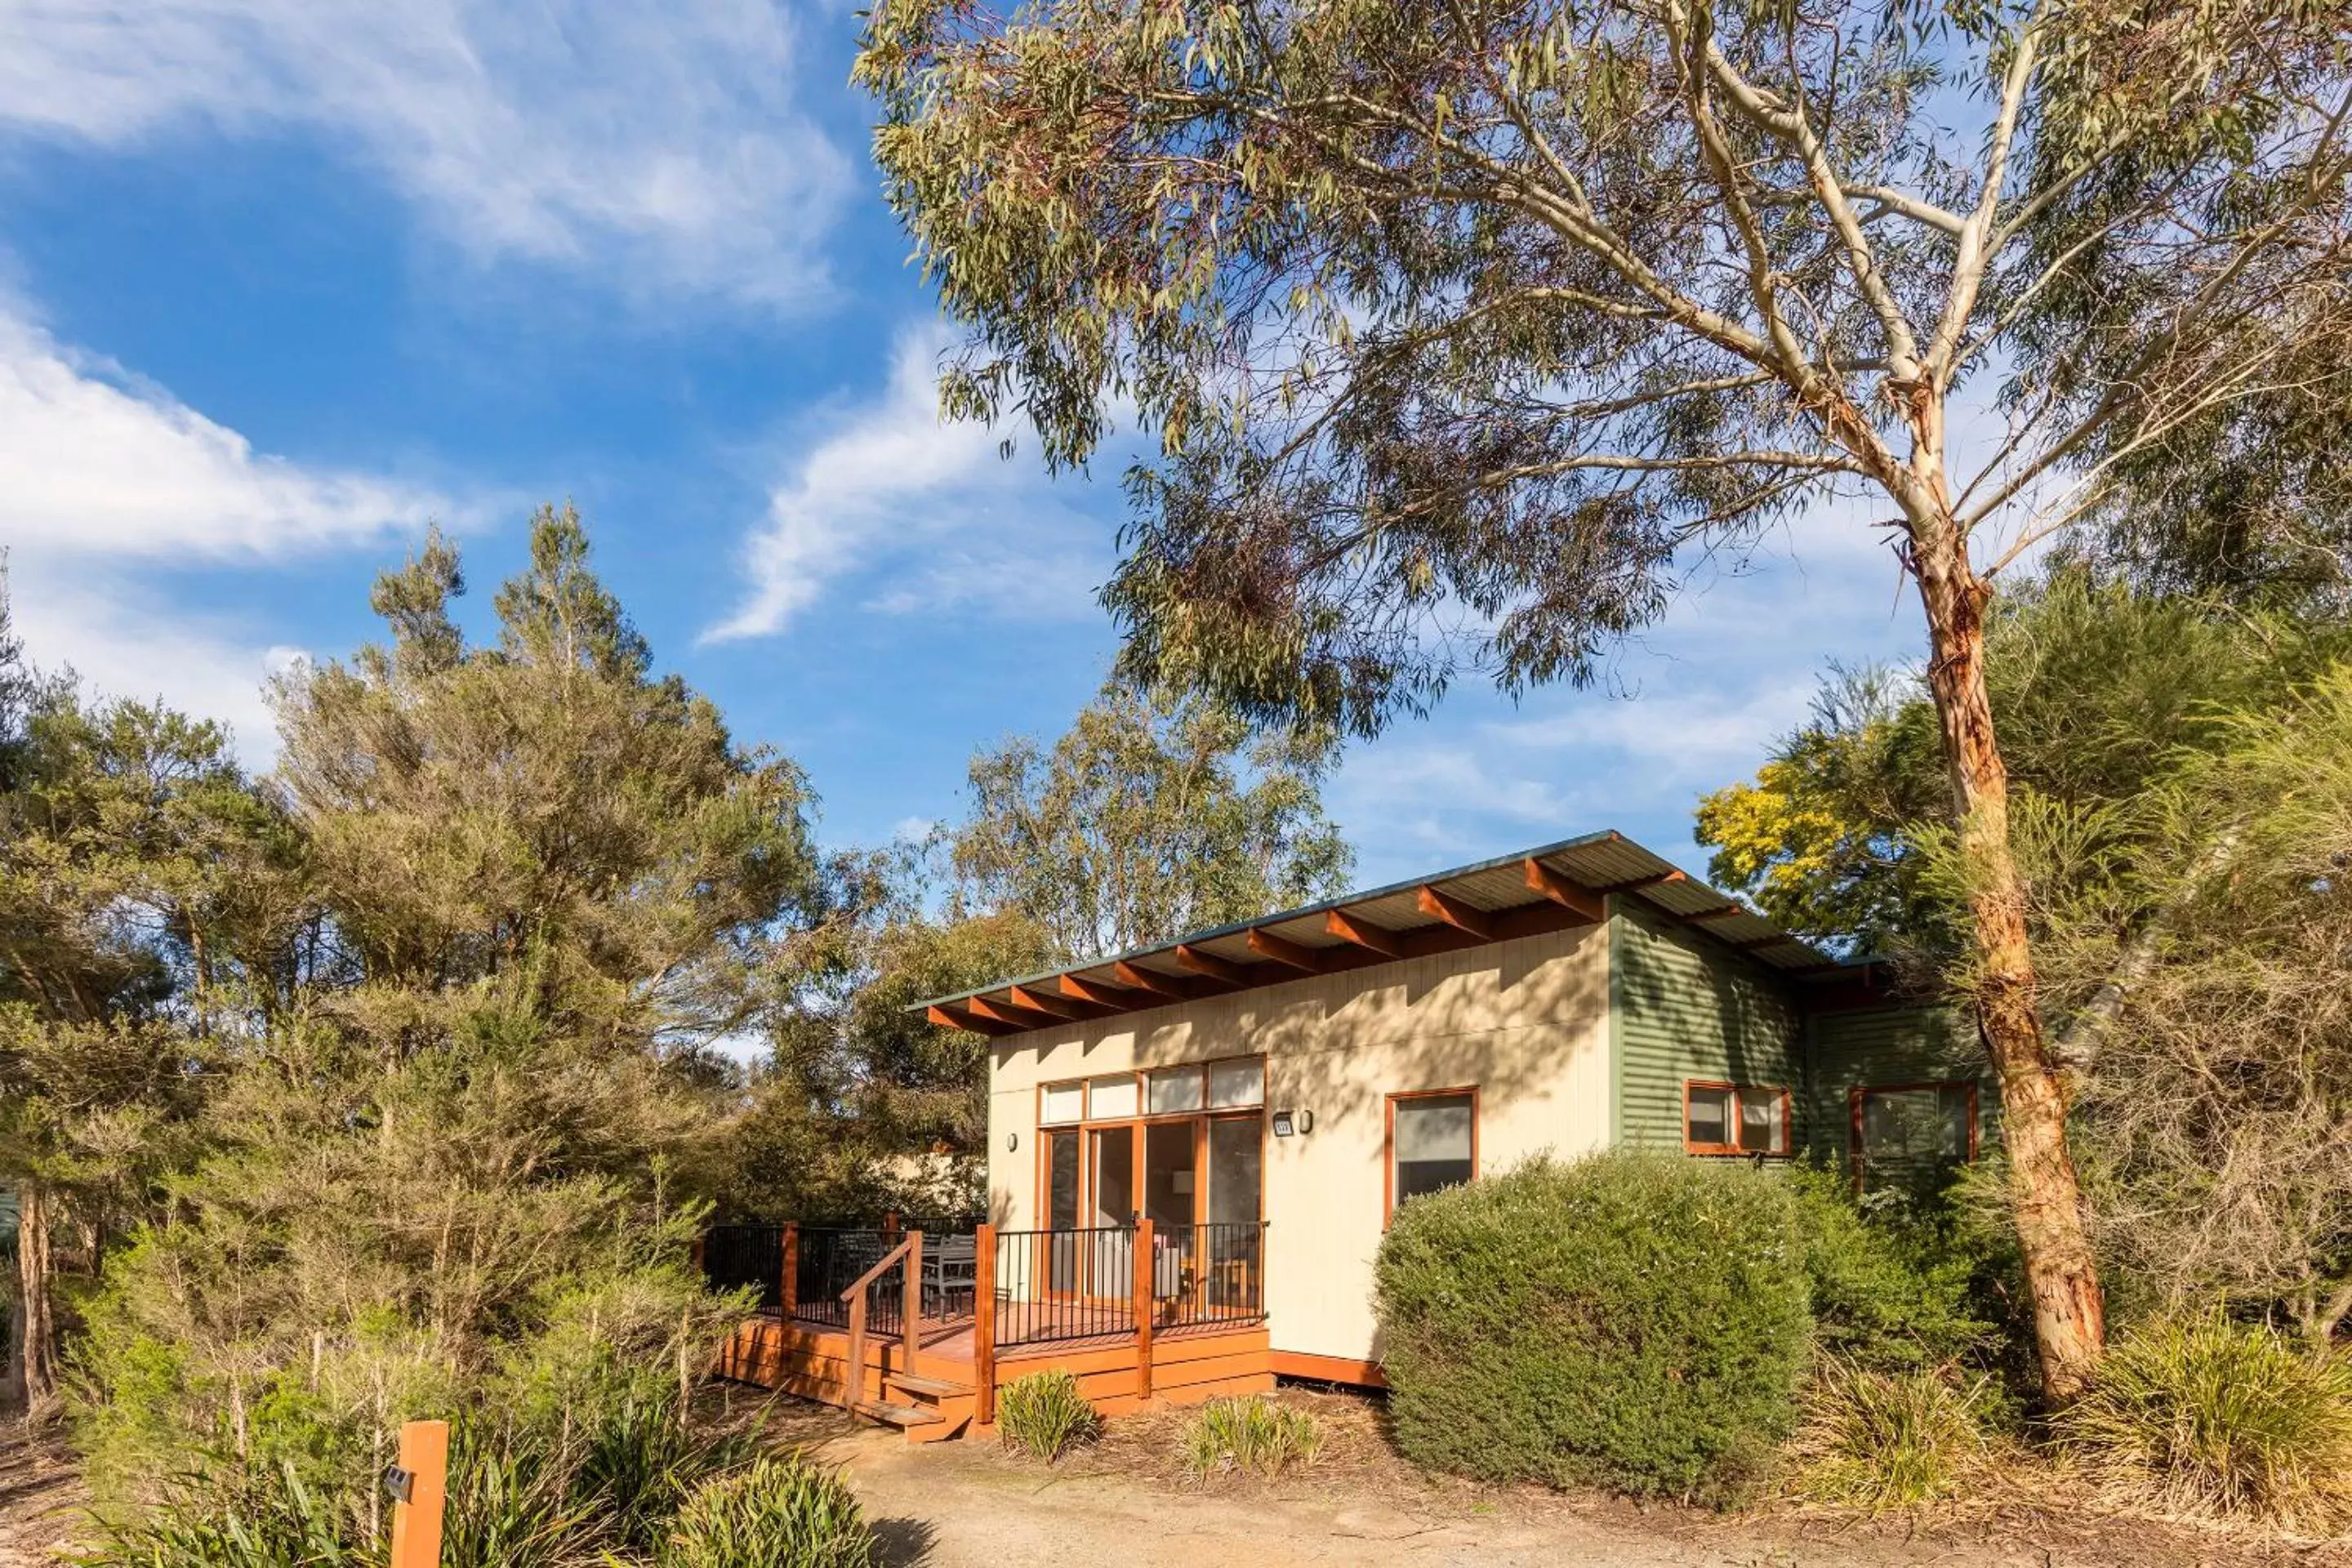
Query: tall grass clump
[2211, 1419]
[1250, 1436]
[776, 1513]
[1889, 1439]
[1634, 1321]
[1045, 1414]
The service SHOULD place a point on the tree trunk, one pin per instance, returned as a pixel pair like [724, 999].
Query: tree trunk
[2061, 1273]
[39, 1337]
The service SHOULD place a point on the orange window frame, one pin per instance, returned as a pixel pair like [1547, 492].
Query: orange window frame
[1135, 1124]
[1863, 1091]
[1388, 1139]
[1731, 1123]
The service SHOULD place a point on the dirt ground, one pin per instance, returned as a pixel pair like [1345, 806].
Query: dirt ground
[962, 1505]
[39, 1494]
[1123, 1501]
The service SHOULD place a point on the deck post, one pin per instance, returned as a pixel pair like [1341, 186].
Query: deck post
[788, 1284]
[1144, 1282]
[857, 1390]
[983, 1325]
[913, 1310]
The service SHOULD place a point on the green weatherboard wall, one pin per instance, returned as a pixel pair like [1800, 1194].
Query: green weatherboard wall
[1891, 1046]
[1684, 1007]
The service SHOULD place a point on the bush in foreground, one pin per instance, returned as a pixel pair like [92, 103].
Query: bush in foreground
[2212, 1419]
[776, 1513]
[1252, 1436]
[1879, 1439]
[1045, 1414]
[1634, 1320]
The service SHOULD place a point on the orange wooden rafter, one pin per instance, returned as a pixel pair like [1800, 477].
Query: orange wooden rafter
[1568, 895]
[1364, 934]
[1283, 951]
[1100, 995]
[1150, 980]
[1455, 913]
[1209, 964]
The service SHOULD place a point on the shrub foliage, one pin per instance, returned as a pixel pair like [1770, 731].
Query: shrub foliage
[1890, 1439]
[1250, 1436]
[1632, 1320]
[1045, 1414]
[2214, 1419]
[778, 1513]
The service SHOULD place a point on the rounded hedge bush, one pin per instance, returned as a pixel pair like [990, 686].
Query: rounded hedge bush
[777, 1512]
[1635, 1321]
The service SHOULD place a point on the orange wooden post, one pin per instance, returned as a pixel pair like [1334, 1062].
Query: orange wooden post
[856, 1392]
[416, 1523]
[913, 1310]
[1144, 1282]
[983, 1324]
[788, 1287]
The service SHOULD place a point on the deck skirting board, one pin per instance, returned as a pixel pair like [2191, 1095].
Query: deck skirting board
[1188, 1366]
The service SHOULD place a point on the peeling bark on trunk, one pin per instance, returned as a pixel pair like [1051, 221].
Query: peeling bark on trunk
[37, 1338]
[2062, 1274]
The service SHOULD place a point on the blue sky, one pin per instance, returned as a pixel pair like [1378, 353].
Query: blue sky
[281, 280]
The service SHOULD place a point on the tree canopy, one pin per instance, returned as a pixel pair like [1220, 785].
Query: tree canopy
[1152, 817]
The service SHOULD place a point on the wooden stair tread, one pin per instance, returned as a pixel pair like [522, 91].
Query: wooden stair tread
[901, 1415]
[930, 1387]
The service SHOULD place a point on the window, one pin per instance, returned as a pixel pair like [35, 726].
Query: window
[1110, 1098]
[1913, 1133]
[1062, 1102]
[1237, 1085]
[1433, 1142]
[1171, 1092]
[1734, 1119]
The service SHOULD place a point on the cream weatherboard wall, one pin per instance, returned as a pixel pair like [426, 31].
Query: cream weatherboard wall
[1525, 1021]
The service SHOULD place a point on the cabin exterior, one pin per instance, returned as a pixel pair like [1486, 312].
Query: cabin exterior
[1204, 1141]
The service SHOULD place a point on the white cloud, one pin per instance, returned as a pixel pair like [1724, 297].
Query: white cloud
[662, 141]
[104, 477]
[895, 487]
[125, 643]
[95, 462]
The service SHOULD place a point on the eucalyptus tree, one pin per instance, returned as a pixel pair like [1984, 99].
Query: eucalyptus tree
[1152, 817]
[1467, 324]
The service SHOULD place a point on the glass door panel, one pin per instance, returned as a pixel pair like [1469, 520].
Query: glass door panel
[1111, 1197]
[1229, 1267]
[1062, 1209]
[1169, 1178]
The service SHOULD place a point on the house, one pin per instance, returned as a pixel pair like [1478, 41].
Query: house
[1204, 1140]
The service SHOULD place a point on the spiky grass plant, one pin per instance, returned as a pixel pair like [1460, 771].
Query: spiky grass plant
[2211, 1419]
[1879, 1441]
[779, 1513]
[1251, 1435]
[1045, 1414]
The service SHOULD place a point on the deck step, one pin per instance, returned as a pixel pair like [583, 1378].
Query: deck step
[926, 1387]
[900, 1416]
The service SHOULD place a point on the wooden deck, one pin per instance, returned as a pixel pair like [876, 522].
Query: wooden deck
[934, 1394]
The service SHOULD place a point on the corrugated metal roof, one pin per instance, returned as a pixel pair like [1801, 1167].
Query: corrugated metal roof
[1600, 863]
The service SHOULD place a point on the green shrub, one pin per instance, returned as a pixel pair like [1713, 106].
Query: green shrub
[1635, 1321]
[1253, 1436]
[270, 1521]
[1878, 1439]
[776, 1513]
[1045, 1414]
[1891, 1279]
[2214, 1419]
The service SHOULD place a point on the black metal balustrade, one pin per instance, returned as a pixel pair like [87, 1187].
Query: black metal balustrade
[1047, 1286]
